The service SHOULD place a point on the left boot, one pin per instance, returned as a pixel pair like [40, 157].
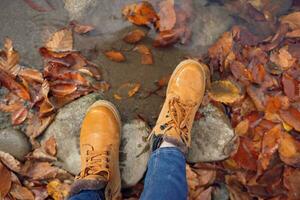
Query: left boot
[99, 151]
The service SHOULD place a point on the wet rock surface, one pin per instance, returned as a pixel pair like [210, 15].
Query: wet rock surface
[66, 130]
[14, 143]
[213, 138]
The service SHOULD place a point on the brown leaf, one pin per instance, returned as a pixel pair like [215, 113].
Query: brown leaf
[291, 116]
[258, 73]
[283, 59]
[222, 47]
[31, 74]
[167, 15]
[10, 162]
[103, 86]
[292, 19]
[235, 184]
[81, 28]
[134, 36]
[270, 144]
[257, 96]
[46, 108]
[40, 193]
[242, 127]
[167, 38]
[50, 146]
[140, 13]
[5, 180]
[9, 63]
[290, 86]
[19, 116]
[147, 58]
[21, 193]
[61, 40]
[115, 56]
[289, 150]
[62, 89]
[225, 91]
[39, 154]
[240, 71]
[58, 190]
[37, 125]
[293, 34]
[127, 90]
[292, 182]
[7, 81]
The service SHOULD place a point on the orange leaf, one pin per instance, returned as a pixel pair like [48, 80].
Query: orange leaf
[115, 56]
[242, 127]
[19, 116]
[134, 36]
[62, 89]
[7, 81]
[283, 59]
[289, 150]
[290, 86]
[58, 190]
[21, 193]
[291, 116]
[5, 180]
[240, 71]
[292, 19]
[31, 74]
[134, 89]
[127, 90]
[147, 58]
[140, 13]
[9, 63]
[61, 40]
[222, 47]
[169, 37]
[50, 146]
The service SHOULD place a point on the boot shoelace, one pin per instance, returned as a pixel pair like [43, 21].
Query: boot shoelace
[179, 114]
[96, 163]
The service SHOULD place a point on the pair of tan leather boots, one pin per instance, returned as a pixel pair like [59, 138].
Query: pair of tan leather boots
[100, 131]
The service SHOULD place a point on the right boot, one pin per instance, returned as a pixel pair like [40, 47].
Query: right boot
[184, 95]
[99, 151]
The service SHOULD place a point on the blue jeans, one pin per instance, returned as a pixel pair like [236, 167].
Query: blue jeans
[165, 178]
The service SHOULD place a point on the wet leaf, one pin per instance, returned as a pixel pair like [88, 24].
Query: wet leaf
[81, 28]
[225, 91]
[36, 125]
[283, 59]
[291, 182]
[5, 180]
[31, 74]
[115, 56]
[169, 37]
[135, 88]
[127, 90]
[291, 116]
[19, 116]
[21, 193]
[103, 86]
[240, 71]
[163, 81]
[147, 58]
[50, 146]
[62, 89]
[222, 47]
[58, 190]
[167, 15]
[46, 108]
[289, 150]
[292, 19]
[60, 41]
[10, 162]
[140, 13]
[9, 62]
[134, 36]
[7, 81]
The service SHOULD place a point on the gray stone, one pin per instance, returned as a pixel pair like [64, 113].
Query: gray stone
[66, 130]
[135, 152]
[14, 143]
[213, 138]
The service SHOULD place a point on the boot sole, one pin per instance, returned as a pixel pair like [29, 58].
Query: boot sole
[111, 107]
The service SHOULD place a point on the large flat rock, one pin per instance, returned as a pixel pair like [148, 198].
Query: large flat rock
[213, 138]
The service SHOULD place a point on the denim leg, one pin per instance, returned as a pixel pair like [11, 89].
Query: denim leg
[88, 195]
[166, 176]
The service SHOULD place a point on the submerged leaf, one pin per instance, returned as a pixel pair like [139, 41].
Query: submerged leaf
[115, 56]
[225, 91]
[134, 36]
[147, 58]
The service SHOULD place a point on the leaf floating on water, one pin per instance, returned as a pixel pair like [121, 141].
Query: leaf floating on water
[115, 56]
[225, 91]
[147, 58]
[5, 180]
[81, 28]
[60, 41]
[103, 86]
[140, 13]
[134, 36]
[127, 90]
[134, 90]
